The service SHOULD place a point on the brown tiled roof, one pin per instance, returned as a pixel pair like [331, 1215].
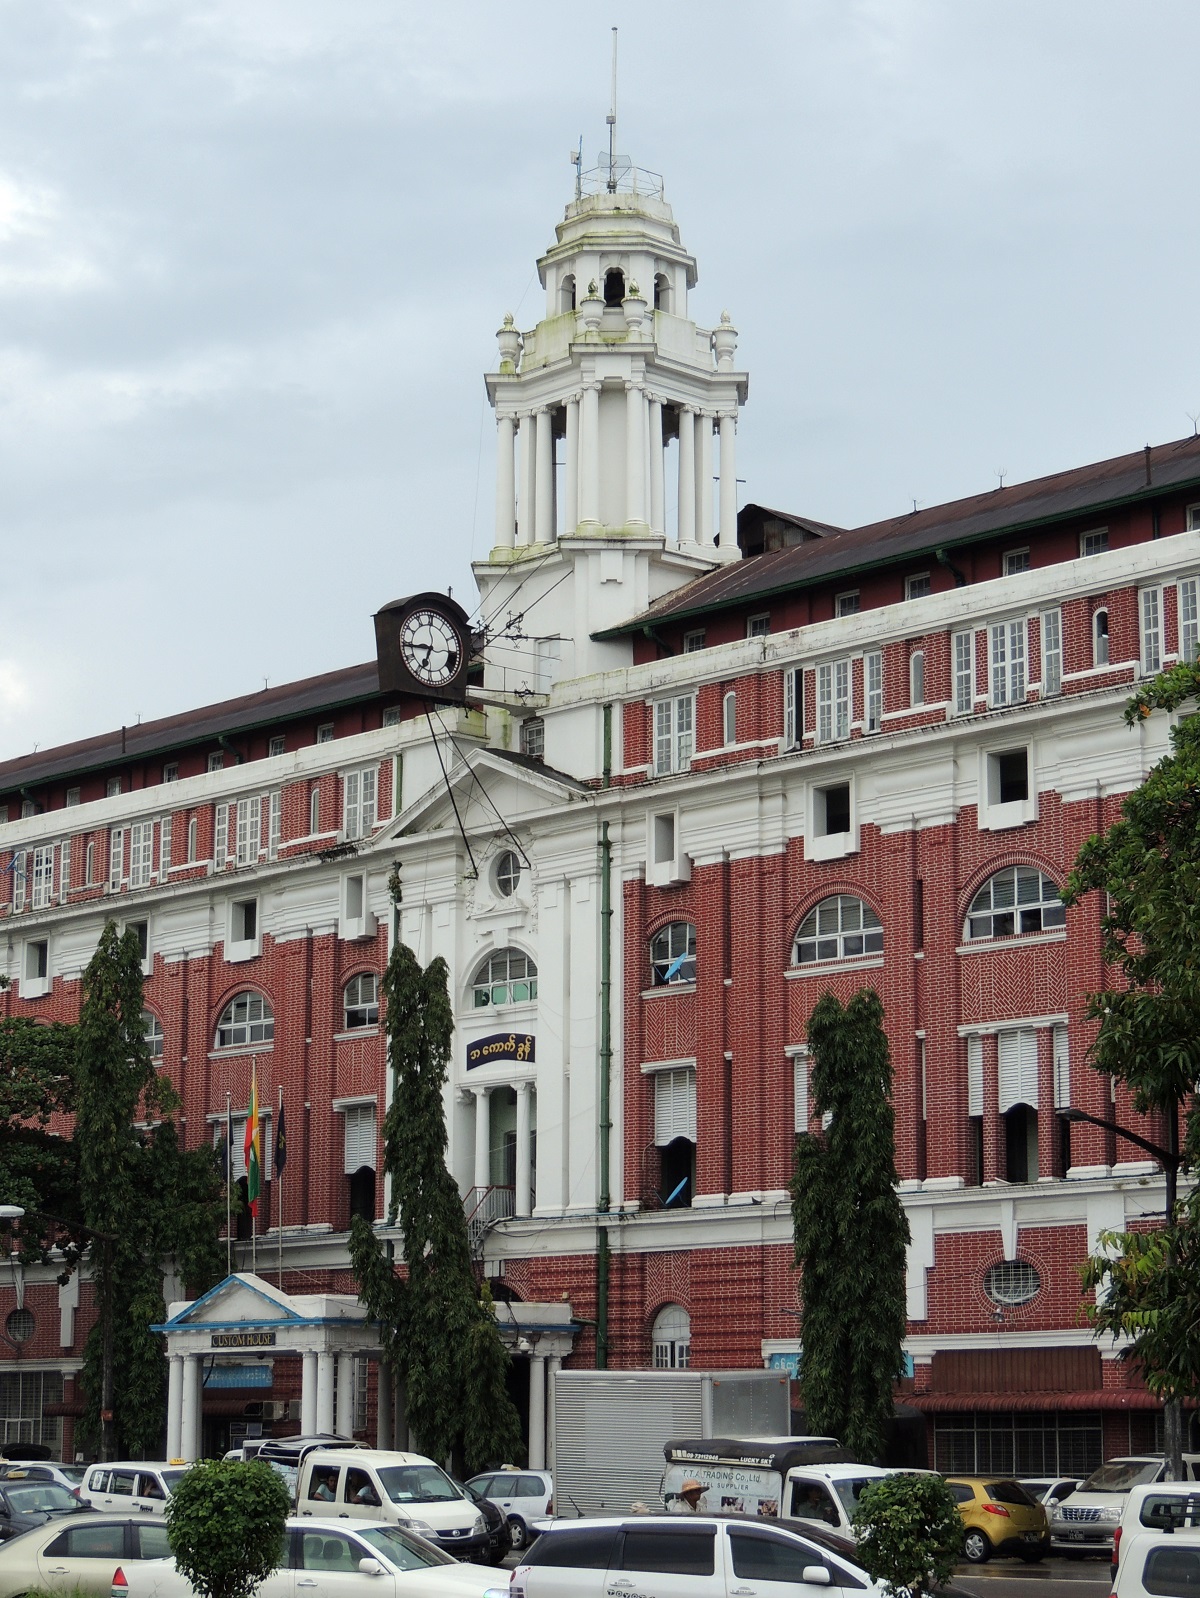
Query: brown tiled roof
[1085, 490]
[268, 708]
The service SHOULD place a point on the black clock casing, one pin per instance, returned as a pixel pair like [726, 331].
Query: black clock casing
[423, 646]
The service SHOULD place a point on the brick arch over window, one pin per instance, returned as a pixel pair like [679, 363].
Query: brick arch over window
[828, 890]
[245, 1018]
[672, 951]
[841, 926]
[1028, 1256]
[1016, 901]
[1001, 862]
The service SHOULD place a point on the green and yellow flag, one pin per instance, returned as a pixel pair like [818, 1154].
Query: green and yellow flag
[253, 1147]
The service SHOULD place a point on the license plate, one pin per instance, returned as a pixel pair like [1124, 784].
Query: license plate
[1032, 1536]
[1076, 1536]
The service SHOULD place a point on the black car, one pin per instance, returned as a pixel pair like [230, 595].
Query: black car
[499, 1541]
[26, 1504]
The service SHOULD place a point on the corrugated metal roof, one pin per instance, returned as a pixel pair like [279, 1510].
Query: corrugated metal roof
[1092, 489]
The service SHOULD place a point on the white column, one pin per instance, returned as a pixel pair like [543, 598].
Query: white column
[589, 455]
[308, 1394]
[523, 1196]
[552, 1369]
[571, 484]
[189, 1431]
[658, 507]
[704, 480]
[483, 1137]
[324, 1390]
[687, 475]
[383, 1405]
[543, 515]
[537, 1412]
[526, 493]
[728, 525]
[344, 1424]
[506, 484]
[175, 1406]
[635, 466]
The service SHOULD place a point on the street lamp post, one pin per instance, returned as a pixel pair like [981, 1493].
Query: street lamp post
[16, 1212]
[1171, 1159]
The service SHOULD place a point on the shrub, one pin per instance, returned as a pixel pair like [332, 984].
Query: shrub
[909, 1533]
[226, 1525]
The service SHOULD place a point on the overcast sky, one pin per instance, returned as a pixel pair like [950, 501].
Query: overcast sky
[253, 254]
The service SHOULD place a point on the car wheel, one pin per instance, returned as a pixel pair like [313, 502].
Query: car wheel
[976, 1547]
[520, 1535]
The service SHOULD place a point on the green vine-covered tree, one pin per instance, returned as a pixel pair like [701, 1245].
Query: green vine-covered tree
[849, 1228]
[39, 1167]
[437, 1331]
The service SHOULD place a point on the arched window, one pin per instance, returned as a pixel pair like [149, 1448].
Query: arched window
[662, 292]
[507, 873]
[916, 678]
[673, 954]
[614, 286]
[838, 929]
[506, 977]
[360, 1000]
[729, 706]
[1016, 901]
[152, 1031]
[1100, 638]
[247, 1018]
[671, 1338]
[566, 294]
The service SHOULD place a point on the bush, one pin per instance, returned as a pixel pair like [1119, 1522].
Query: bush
[226, 1525]
[909, 1533]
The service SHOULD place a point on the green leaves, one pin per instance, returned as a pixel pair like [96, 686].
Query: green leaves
[849, 1228]
[226, 1524]
[909, 1533]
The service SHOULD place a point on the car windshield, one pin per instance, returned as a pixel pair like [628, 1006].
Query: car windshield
[1010, 1492]
[34, 1496]
[406, 1553]
[850, 1491]
[74, 1473]
[1119, 1475]
[417, 1484]
[171, 1479]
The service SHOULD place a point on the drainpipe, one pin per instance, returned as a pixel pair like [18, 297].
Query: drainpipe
[604, 1199]
[239, 759]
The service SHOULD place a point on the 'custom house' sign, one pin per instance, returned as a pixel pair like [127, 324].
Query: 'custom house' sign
[500, 1046]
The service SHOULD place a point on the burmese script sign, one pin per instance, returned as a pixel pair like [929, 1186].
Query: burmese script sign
[500, 1046]
[243, 1339]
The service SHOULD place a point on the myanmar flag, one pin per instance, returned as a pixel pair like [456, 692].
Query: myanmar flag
[253, 1147]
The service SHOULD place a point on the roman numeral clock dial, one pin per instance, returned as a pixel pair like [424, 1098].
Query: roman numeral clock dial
[430, 648]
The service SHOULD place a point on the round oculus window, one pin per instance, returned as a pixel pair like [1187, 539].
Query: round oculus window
[1012, 1282]
[19, 1325]
[507, 874]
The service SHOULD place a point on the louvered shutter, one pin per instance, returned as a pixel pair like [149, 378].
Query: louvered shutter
[370, 783]
[1018, 1069]
[974, 1076]
[116, 859]
[360, 1137]
[800, 1080]
[350, 811]
[220, 837]
[674, 1106]
[18, 876]
[1062, 1070]
[789, 709]
[64, 875]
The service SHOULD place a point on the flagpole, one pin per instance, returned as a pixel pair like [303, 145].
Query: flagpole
[279, 1179]
[229, 1184]
[253, 1206]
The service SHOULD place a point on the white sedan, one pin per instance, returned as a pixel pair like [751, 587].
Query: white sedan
[325, 1559]
[79, 1553]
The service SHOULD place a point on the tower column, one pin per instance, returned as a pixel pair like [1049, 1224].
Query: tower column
[728, 523]
[506, 487]
[704, 480]
[589, 450]
[525, 491]
[524, 1196]
[658, 513]
[543, 515]
[571, 483]
[635, 466]
[687, 475]
[483, 1140]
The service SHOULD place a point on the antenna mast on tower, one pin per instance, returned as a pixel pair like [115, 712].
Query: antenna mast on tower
[612, 124]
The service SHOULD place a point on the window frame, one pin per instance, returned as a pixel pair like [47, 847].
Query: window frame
[1097, 534]
[362, 1005]
[759, 625]
[483, 988]
[1011, 555]
[916, 680]
[673, 734]
[834, 700]
[1151, 631]
[661, 963]
[992, 911]
[729, 718]
[913, 581]
[838, 938]
[847, 603]
[693, 641]
[1097, 651]
[1052, 657]
[873, 691]
[264, 1021]
[1008, 668]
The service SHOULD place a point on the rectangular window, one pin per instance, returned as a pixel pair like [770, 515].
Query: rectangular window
[216, 761]
[693, 641]
[325, 733]
[361, 1138]
[1008, 662]
[278, 744]
[975, 1076]
[1008, 777]
[1093, 543]
[64, 871]
[28, 808]
[1189, 619]
[873, 690]
[18, 876]
[674, 1106]
[833, 701]
[1193, 518]
[350, 824]
[141, 853]
[244, 927]
[171, 772]
[1150, 607]
[112, 787]
[831, 810]
[358, 805]
[43, 876]
[758, 626]
[89, 865]
[391, 716]
[275, 825]
[220, 837]
[37, 960]
[793, 708]
[533, 738]
[673, 734]
[1015, 560]
[164, 849]
[249, 830]
[847, 604]
[116, 859]
[917, 586]
[72, 799]
[964, 673]
[1051, 653]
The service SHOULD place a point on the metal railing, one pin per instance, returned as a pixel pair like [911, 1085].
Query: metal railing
[484, 1206]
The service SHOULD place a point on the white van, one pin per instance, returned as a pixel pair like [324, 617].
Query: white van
[408, 1489]
[141, 1485]
[1163, 1507]
[1085, 1522]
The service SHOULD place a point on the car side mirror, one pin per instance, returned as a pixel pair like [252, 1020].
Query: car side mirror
[370, 1567]
[815, 1576]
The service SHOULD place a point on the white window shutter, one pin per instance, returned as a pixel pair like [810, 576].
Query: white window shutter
[360, 1137]
[800, 1079]
[1062, 1070]
[116, 858]
[64, 875]
[674, 1106]
[1018, 1069]
[18, 877]
[255, 827]
[350, 811]
[789, 709]
[164, 849]
[370, 787]
[975, 1076]
[220, 837]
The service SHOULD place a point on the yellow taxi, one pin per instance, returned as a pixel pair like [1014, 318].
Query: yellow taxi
[999, 1517]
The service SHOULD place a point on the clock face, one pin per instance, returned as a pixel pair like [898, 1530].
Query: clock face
[430, 648]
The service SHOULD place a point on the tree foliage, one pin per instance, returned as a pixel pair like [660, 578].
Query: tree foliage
[226, 1522]
[910, 1533]
[39, 1167]
[439, 1334]
[849, 1228]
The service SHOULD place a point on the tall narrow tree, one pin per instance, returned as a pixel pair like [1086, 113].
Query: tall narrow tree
[850, 1229]
[441, 1336]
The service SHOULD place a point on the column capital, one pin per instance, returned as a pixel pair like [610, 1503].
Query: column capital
[690, 410]
[482, 1091]
[633, 386]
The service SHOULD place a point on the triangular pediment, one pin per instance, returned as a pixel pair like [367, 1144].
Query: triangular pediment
[243, 1299]
[488, 785]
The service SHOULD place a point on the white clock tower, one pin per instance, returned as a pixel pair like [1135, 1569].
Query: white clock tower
[616, 419]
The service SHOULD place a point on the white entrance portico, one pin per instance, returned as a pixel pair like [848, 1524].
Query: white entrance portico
[245, 1316]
